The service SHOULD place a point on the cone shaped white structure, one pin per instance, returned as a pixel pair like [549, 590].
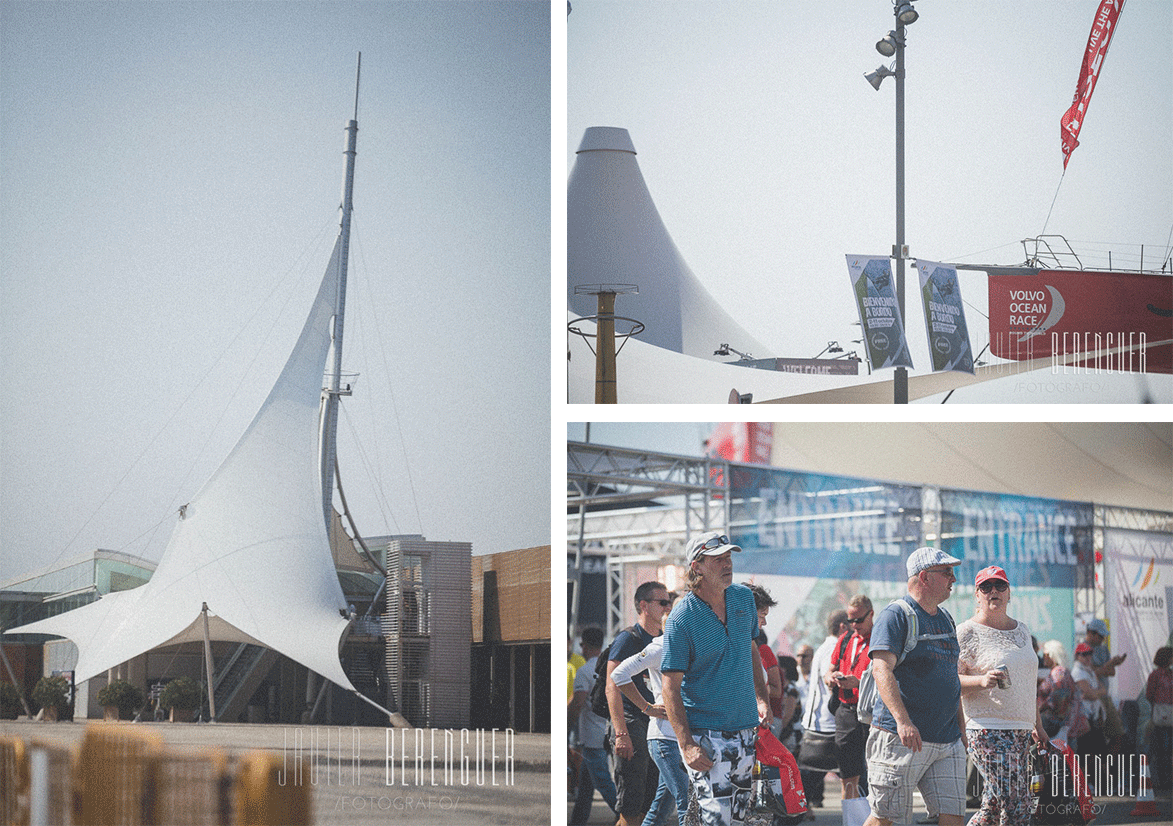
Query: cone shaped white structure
[252, 544]
[614, 235]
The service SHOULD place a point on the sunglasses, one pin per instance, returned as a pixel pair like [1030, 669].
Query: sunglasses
[858, 620]
[714, 542]
[991, 584]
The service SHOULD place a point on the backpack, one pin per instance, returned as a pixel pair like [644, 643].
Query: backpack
[867, 682]
[598, 697]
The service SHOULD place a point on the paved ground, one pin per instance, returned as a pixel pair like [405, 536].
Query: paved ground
[367, 786]
[1109, 811]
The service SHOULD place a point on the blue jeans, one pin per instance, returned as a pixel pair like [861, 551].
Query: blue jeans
[595, 774]
[673, 782]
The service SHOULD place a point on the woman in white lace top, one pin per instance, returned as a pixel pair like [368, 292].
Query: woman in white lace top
[997, 667]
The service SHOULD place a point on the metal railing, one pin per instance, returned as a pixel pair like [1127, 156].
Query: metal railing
[1056, 252]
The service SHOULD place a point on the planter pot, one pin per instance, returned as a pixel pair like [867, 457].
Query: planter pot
[182, 715]
[50, 714]
[111, 713]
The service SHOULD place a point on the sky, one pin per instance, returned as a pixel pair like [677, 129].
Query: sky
[171, 180]
[770, 157]
[681, 438]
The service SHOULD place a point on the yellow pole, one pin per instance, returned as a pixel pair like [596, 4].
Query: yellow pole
[605, 388]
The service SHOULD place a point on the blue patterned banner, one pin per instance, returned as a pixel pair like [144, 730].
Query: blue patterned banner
[879, 311]
[944, 318]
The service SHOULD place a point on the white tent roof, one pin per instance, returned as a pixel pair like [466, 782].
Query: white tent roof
[252, 544]
[614, 235]
[646, 374]
[1129, 464]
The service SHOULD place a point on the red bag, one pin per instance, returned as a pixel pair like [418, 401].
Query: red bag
[771, 752]
[1062, 796]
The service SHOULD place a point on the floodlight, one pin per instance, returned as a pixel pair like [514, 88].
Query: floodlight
[877, 77]
[887, 46]
[906, 13]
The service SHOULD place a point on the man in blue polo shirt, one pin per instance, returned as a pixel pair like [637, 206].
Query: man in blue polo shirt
[916, 736]
[714, 686]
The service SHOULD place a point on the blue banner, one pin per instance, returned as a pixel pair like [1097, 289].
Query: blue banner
[944, 318]
[826, 526]
[879, 311]
[1039, 542]
[815, 540]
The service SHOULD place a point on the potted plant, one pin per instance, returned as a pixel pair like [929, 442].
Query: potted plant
[120, 700]
[181, 696]
[10, 705]
[51, 693]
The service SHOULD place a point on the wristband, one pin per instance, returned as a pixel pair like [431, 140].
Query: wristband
[623, 734]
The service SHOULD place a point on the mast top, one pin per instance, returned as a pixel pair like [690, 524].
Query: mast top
[357, 77]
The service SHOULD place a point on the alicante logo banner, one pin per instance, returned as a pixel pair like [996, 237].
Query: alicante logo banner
[944, 318]
[879, 311]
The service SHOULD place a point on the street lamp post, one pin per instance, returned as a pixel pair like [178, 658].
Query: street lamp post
[891, 45]
[900, 380]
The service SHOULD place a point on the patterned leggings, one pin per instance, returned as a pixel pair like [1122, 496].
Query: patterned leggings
[1003, 758]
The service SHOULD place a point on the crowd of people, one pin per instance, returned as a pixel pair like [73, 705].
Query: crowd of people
[893, 700]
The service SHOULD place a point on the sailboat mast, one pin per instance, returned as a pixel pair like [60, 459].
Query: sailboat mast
[330, 423]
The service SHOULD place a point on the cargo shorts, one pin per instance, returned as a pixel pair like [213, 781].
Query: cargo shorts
[894, 770]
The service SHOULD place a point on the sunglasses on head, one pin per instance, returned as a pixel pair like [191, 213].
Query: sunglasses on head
[858, 620]
[714, 542]
[991, 584]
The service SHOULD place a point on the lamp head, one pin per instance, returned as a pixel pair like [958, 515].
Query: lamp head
[906, 14]
[877, 77]
[887, 46]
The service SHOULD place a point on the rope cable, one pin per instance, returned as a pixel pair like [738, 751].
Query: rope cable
[1052, 209]
[175, 413]
[391, 390]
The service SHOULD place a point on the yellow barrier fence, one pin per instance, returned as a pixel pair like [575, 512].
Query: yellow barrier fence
[120, 775]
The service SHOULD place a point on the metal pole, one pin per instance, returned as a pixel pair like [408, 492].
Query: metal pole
[576, 583]
[396, 719]
[900, 380]
[208, 667]
[330, 424]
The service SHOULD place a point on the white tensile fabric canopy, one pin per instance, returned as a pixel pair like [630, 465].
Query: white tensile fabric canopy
[1127, 464]
[614, 235]
[646, 374]
[252, 544]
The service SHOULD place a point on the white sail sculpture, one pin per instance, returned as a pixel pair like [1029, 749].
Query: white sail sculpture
[252, 546]
[615, 235]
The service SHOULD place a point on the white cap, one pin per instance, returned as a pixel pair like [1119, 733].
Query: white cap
[711, 544]
[923, 558]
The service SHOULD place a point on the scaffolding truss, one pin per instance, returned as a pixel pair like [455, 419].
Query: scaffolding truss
[636, 506]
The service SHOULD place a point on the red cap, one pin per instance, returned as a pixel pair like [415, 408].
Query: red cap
[992, 572]
[1083, 648]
